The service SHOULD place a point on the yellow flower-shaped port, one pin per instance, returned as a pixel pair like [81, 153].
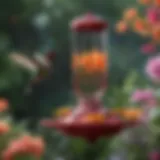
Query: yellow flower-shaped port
[63, 111]
[132, 113]
[94, 118]
[124, 113]
[127, 113]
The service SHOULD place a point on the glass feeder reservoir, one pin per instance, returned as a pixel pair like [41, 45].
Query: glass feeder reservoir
[89, 57]
[89, 119]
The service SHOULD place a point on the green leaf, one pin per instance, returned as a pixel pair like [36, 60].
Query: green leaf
[78, 145]
[129, 82]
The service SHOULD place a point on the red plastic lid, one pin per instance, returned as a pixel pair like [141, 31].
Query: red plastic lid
[88, 23]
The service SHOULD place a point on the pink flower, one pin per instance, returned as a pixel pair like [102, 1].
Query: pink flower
[4, 128]
[153, 15]
[143, 96]
[153, 68]
[148, 48]
[154, 155]
[25, 145]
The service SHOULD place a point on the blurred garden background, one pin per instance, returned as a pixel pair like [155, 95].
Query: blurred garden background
[29, 27]
[35, 74]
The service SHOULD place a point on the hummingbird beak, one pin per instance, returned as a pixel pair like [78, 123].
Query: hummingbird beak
[42, 60]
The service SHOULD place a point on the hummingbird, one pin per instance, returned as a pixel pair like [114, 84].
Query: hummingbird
[38, 64]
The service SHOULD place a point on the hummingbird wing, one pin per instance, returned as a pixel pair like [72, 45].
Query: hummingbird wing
[23, 61]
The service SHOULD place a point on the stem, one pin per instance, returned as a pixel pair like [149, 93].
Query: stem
[90, 153]
[97, 150]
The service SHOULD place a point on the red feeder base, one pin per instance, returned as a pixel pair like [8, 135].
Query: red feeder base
[88, 131]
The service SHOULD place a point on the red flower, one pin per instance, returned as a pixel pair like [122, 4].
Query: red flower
[157, 3]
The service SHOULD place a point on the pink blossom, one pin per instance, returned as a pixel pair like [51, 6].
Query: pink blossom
[24, 145]
[154, 155]
[153, 68]
[153, 15]
[143, 96]
[148, 48]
